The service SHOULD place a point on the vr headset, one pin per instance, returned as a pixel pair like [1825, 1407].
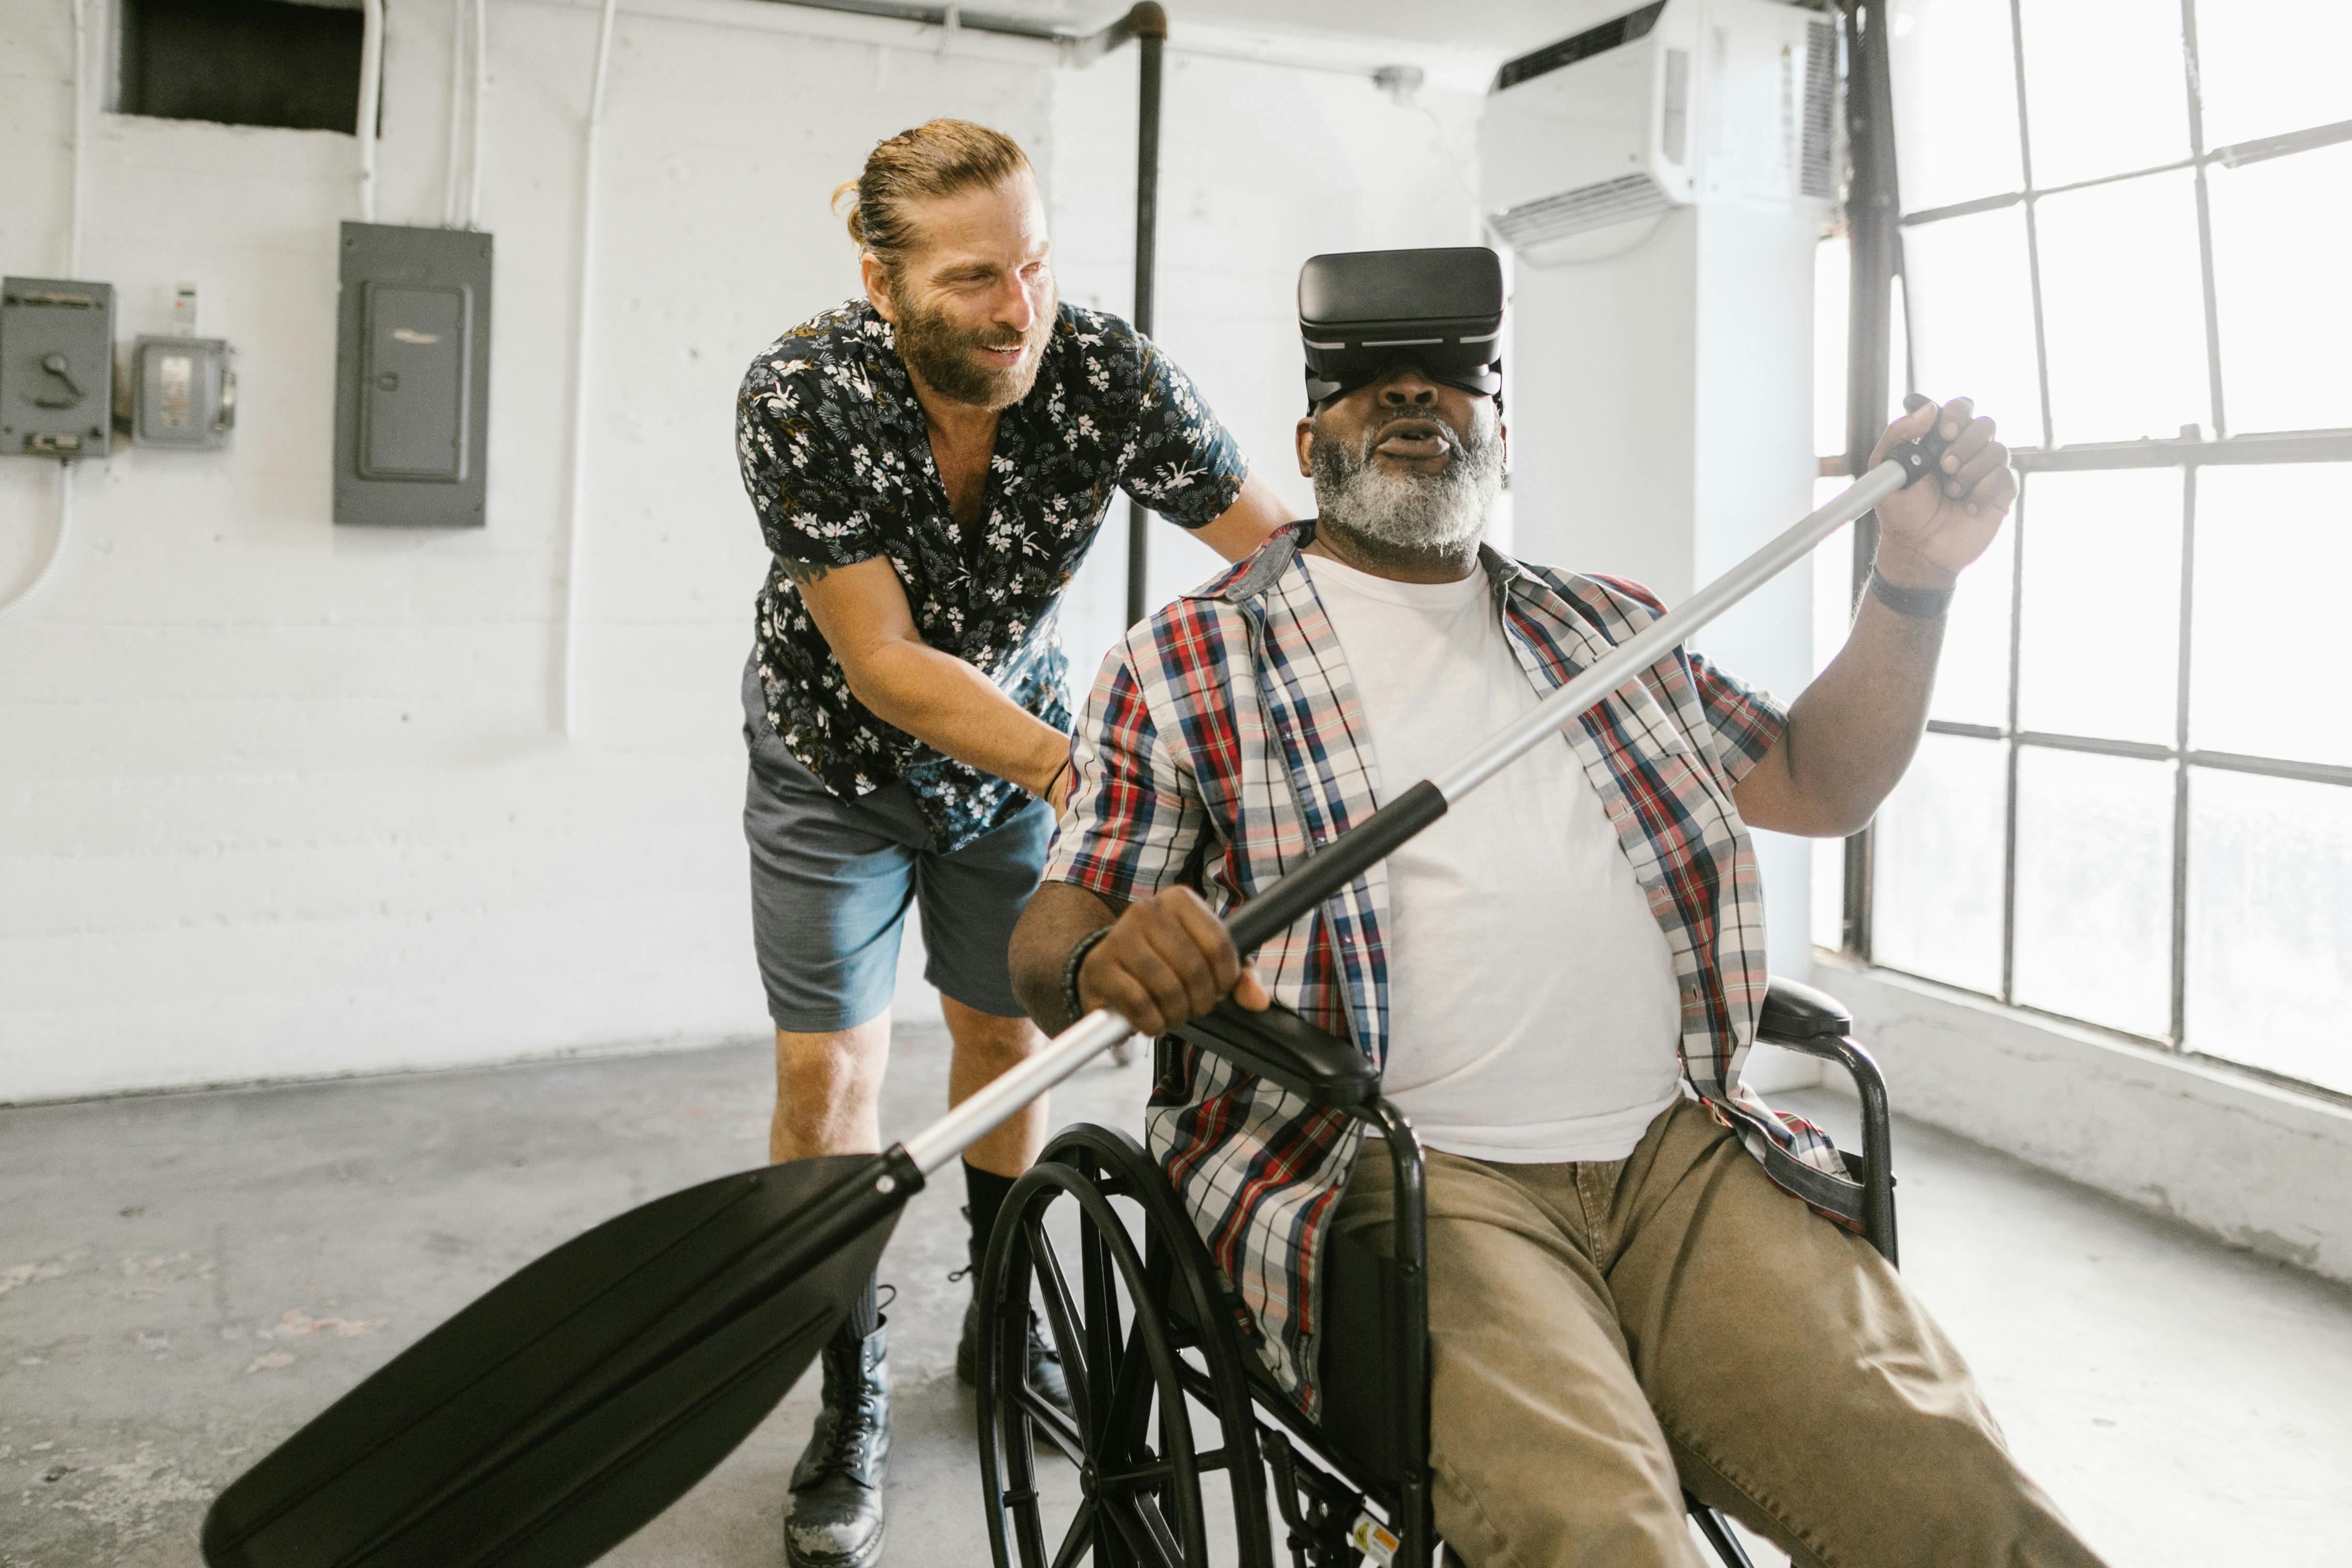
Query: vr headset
[1360, 311]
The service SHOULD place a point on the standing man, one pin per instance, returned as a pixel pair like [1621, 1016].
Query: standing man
[928, 465]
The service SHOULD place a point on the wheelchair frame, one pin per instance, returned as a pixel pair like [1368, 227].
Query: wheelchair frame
[1361, 1492]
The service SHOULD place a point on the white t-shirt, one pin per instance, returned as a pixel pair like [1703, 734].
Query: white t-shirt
[1532, 1009]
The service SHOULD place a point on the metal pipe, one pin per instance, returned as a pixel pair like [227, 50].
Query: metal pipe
[1873, 208]
[371, 91]
[580, 361]
[1150, 25]
[80, 118]
[457, 99]
[57, 544]
[481, 97]
[1082, 48]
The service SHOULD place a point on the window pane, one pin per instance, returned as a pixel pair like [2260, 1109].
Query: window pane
[2270, 925]
[2106, 89]
[2269, 65]
[1972, 678]
[2100, 649]
[2282, 230]
[1954, 79]
[2274, 553]
[2122, 305]
[1937, 859]
[2095, 888]
[1832, 569]
[1833, 304]
[1972, 306]
[1827, 914]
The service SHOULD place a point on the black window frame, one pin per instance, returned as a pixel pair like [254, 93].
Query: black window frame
[1874, 224]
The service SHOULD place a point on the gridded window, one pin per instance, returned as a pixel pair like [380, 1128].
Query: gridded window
[2124, 233]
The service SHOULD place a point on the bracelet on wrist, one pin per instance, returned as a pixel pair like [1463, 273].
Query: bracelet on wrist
[1921, 603]
[1072, 1002]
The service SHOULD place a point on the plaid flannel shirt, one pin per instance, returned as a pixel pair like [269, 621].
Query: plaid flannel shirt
[1225, 740]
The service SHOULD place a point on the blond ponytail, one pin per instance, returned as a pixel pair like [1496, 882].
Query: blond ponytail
[938, 158]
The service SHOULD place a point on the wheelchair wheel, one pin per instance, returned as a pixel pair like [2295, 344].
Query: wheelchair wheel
[1141, 1377]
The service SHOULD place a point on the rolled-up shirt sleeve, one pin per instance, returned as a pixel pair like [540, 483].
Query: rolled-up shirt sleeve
[814, 481]
[1178, 460]
[1134, 814]
[1742, 721]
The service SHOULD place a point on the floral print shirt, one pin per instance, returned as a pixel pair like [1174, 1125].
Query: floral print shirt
[837, 460]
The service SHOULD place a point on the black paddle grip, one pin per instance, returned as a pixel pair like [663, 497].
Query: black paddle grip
[1334, 866]
[1919, 458]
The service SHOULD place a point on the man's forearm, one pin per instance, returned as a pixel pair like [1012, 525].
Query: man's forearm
[948, 704]
[1059, 914]
[1853, 730]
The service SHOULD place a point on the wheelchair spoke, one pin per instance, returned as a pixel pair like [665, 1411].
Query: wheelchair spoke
[1056, 1428]
[1100, 1275]
[1130, 1404]
[1146, 1529]
[1081, 1536]
[1061, 1312]
[1158, 1470]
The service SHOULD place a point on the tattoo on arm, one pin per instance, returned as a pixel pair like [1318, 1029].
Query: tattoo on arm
[803, 572]
[1789, 747]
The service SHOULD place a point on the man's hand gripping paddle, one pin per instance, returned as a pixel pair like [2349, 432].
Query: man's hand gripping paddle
[546, 1422]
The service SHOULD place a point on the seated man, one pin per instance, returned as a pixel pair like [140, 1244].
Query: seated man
[1559, 979]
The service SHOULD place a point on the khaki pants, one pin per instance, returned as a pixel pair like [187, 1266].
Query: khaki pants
[1604, 1334]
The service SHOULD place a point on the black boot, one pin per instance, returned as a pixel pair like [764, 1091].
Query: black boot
[836, 1516]
[1045, 1362]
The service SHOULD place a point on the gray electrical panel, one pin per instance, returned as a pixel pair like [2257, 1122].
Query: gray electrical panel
[56, 367]
[411, 376]
[183, 392]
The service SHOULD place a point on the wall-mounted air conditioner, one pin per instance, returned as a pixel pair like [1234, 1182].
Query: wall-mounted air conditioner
[1587, 142]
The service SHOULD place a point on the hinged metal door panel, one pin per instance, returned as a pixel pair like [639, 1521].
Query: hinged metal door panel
[414, 394]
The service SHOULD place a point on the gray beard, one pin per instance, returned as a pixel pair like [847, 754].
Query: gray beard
[1438, 514]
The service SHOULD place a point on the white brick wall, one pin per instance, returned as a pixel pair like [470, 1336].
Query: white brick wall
[279, 799]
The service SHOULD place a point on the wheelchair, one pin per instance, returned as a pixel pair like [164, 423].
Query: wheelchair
[1094, 1240]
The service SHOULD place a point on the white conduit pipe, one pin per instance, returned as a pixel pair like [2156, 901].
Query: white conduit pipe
[481, 91]
[73, 265]
[579, 498]
[80, 114]
[371, 84]
[457, 87]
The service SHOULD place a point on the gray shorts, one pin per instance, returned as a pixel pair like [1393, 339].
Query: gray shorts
[831, 880]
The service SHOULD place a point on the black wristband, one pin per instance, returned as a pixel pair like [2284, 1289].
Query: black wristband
[1047, 794]
[1923, 603]
[1071, 1004]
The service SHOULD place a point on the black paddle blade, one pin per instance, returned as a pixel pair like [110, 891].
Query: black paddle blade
[546, 1422]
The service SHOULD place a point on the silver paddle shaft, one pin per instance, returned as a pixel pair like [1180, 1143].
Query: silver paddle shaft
[1005, 1096]
[1628, 658]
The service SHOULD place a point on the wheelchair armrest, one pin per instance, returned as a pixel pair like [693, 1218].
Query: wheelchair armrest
[1813, 1023]
[1795, 1013]
[1278, 1044]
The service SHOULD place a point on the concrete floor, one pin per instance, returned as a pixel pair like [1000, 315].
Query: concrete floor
[185, 1278]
